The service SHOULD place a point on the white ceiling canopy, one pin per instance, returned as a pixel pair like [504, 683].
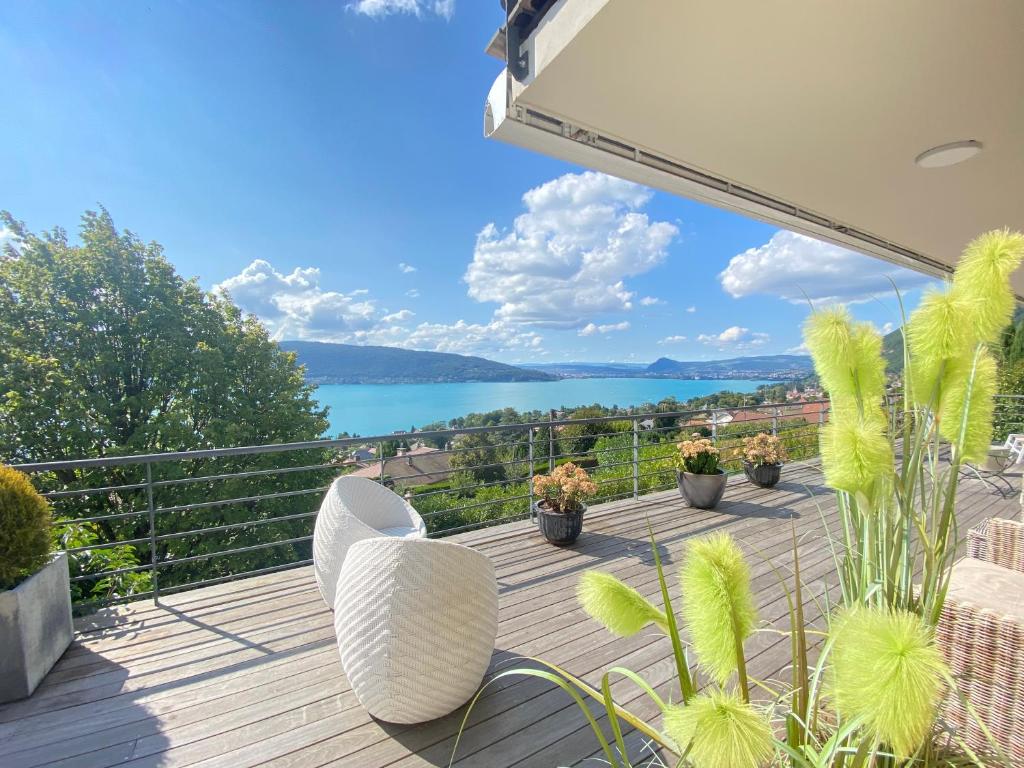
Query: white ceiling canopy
[896, 129]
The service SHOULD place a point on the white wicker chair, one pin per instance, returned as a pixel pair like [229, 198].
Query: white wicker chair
[416, 621]
[354, 509]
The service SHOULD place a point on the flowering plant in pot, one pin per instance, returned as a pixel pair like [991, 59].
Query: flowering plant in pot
[560, 508]
[35, 595]
[701, 481]
[763, 457]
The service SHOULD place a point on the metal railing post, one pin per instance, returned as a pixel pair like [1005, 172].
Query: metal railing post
[714, 427]
[551, 440]
[151, 507]
[636, 459]
[775, 422]
[529, 453]
[380, 458]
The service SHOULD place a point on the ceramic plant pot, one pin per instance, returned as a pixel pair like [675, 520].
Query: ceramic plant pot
[702, 491]
[560, 528]
[762, 475]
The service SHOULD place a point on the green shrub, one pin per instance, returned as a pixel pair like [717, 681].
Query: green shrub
[24, 528]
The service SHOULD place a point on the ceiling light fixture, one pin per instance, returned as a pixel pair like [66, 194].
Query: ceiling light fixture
[948, 154]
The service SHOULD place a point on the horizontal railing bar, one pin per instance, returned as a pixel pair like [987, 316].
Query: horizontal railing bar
[103, 574]
[482, 524]
[209, 453]
[250, 548]
[100, 518]
[85, 491]
[107, 545]
[239, 500]
[236, 475]
[464, 488]
[233, 526]
[463, 508]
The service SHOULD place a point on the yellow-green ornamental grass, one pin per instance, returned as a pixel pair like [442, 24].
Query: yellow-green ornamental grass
[947, 336]
[722, 731]
[717, 603]
[887, 671]
[877, 688]
[620, 608]
[853, 454]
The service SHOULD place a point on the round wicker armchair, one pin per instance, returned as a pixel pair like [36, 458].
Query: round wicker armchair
[416, 621]
[354, 509]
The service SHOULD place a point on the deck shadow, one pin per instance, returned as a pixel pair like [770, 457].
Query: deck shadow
[54, 725]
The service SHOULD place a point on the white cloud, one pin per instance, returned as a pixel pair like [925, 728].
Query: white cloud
[672, 340]
[398, 317]
[488, 339]
[567, 257]
[381, 8]
[887, 328]
[406, 268]
[735, 337]
[691, 310]
[413, 293]
[591, 329]
[651, 301]
[294, 306]
[791, 265]
[800, 349]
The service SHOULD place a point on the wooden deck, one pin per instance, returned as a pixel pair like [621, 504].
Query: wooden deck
[247, 673]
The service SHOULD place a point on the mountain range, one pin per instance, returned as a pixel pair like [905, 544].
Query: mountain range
[755, 367]
[328, 363]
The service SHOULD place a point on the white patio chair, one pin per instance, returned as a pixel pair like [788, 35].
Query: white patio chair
[416, 621]
[357, 508]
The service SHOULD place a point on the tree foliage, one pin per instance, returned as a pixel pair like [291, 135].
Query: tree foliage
[109, 352]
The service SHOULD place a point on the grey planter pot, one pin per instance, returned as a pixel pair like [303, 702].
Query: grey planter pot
[560, 528]
[35, 628]
[702, 491]
[763, 475]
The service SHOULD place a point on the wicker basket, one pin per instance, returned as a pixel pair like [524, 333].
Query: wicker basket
[981, 634]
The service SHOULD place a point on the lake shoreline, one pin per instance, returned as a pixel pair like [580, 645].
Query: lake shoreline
[382, 409]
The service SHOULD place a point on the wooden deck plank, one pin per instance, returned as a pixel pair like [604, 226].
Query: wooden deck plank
[246, 673]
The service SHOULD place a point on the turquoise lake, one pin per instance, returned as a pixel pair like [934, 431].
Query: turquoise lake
[380, 409]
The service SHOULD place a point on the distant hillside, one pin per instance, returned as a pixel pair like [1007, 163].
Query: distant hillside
[350, 364]
[763, 366]
[591, 370]
[892, 351]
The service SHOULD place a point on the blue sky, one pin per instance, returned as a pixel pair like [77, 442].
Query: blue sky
[324, 163]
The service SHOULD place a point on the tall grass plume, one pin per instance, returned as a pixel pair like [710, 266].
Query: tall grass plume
[717, 603]
[888, 672]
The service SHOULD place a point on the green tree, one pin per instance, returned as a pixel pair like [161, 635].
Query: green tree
[107, 351]
[477, 453]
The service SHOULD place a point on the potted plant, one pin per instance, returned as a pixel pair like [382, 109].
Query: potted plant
[35, 597]
[560, 508]
[763, 457]
[701, 481]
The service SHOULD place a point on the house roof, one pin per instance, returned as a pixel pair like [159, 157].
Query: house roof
[420, 466]
[810, 119]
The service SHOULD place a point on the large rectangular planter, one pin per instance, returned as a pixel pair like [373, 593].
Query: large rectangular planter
[35, 628]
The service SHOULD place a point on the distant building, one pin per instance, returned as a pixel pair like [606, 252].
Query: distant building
[419, 466]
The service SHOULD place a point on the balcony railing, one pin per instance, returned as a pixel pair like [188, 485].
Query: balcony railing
[145, 525]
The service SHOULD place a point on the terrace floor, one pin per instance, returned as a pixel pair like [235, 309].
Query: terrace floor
[247, 673]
